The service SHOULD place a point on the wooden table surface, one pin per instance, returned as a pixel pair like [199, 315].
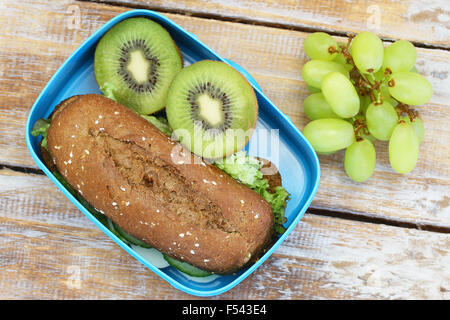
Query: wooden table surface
[388, 238]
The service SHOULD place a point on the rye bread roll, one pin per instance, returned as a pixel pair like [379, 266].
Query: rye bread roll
[156, 190]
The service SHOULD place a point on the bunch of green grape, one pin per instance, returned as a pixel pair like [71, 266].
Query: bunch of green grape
[362, 91]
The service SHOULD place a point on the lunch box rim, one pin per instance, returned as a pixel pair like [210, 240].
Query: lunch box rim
[192, 37]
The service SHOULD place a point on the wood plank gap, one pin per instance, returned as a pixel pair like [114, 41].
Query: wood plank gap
[27, 170]
[248, 21]
[369, 218]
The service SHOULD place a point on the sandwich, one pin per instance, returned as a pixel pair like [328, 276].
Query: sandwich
[125, 168]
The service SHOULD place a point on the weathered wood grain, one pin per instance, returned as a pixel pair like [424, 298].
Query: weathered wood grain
[424, 22]
[30, 55]
[45, 241]
[50, 250]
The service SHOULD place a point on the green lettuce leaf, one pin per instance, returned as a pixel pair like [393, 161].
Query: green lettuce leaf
[247, 170]
[40, 127]
[242, 167]
[160, 122]
[108, 90]
[278, 202]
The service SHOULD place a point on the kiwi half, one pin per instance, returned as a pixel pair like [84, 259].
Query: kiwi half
[135, 62]
[212, 109]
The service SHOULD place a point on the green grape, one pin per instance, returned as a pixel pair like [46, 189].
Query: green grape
[364, 102]
[403, 148]
[367, 52]
[312, 89]
[340, 94]
[329, 135]
[399, 56]
[316, 107]
[379, 75]
[410, 88]
[314, 71]
[366, 135]
[325, 153]
[359, 161]
[414, 69]
[381, 120]
[339, 58]
[417, 124]
[387, 96]
[318, 44]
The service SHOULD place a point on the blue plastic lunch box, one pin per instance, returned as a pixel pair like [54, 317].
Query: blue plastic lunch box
[297, 162]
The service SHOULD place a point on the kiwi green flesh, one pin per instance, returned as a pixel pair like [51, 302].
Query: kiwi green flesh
[135, 63]
[212, 109]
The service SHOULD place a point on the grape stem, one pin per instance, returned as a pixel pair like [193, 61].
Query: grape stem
[345, 50]
[332, 50]
[358, 128]
[404, 108]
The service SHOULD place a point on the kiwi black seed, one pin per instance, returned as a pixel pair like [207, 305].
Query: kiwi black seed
[135, 62]
[212, 109]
